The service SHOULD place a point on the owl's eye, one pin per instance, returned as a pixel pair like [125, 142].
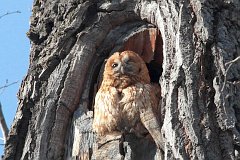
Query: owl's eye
[114, 65]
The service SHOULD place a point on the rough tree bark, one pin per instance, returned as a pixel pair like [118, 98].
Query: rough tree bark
[200, 79]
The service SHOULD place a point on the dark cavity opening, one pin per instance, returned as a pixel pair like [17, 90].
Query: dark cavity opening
[144, 39]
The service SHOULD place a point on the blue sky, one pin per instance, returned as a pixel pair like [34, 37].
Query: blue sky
[14, 53]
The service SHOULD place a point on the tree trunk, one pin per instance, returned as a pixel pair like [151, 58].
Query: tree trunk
[195, 42]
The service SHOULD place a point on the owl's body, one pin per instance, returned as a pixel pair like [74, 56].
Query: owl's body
[121, 111]
[126, 101]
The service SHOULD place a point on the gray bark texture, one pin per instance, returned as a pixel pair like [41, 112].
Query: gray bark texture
[198, 49]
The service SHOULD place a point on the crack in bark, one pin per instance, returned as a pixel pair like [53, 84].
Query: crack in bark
[19, 139]
[54, 113]
[121, 146]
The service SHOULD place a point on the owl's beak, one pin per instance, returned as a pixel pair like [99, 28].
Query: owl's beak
[122, 70]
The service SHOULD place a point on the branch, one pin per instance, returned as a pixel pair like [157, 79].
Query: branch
[3, 125]
[7, 85]
[233, 61]
[230, 63]
[8, 13]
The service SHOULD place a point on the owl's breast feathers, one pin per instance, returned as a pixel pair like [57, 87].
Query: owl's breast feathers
[119, 110]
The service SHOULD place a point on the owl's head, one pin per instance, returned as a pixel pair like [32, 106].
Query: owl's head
[127, 64]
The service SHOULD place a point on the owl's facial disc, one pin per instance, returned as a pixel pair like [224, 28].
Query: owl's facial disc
[125, 66]
[130, 66]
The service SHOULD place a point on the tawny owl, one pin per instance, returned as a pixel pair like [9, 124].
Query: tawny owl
[126, 101]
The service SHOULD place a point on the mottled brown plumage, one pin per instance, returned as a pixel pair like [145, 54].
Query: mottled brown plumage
[126, 101]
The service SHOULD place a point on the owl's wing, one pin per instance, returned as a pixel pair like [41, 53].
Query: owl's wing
[148, 114]
[105, 110]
